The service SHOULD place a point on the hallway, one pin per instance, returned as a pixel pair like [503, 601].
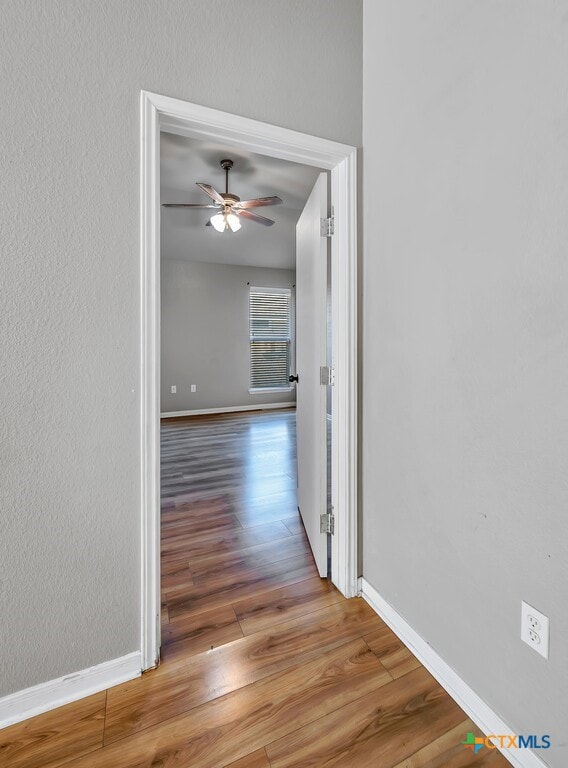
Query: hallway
[265, 665]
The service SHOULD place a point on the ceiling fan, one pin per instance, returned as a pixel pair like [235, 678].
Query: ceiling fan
[229, 206]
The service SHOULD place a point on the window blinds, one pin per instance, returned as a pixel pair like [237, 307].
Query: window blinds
[270, 336]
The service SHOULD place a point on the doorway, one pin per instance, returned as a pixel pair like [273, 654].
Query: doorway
[174, 116]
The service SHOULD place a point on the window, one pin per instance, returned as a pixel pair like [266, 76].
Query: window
[270, 338]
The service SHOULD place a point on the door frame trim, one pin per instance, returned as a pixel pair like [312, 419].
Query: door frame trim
[162, 113]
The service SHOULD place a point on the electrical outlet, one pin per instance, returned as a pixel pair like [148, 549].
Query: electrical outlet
[173, 389]
[533, 622]
[535, 629]
[194, 387]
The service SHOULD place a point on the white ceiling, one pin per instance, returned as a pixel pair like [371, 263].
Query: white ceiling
[184, 234]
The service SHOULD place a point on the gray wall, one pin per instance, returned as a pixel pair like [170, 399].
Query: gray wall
[205, 334]
[465, 406]
[69, 327]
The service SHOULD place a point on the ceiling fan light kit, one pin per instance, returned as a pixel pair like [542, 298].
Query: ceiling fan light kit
[232, 206]
[225, 220]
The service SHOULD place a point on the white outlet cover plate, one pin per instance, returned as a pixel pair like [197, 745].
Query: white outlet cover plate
[536, 622]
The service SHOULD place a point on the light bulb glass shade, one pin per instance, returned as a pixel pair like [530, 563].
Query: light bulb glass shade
[219, 222]
[233, 222]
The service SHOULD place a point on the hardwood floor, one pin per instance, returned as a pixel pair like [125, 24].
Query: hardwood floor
[264, 664]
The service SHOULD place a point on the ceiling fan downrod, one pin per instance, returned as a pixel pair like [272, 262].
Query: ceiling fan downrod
[226, 165]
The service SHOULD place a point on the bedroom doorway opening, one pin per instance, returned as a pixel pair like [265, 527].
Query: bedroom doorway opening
[181, 118]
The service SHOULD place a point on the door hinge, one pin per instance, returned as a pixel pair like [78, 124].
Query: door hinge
[326, 227]
[327, 522]
[327, 375]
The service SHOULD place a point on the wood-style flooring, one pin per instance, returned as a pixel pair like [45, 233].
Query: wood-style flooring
[264, 664]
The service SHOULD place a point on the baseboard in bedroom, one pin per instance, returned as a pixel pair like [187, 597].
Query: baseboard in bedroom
[487, 720]
[55, 693]
[227, 409]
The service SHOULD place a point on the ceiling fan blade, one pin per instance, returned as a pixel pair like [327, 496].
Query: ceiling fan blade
[211, 192]
[189, 205]
[253, 217]
[274, 200]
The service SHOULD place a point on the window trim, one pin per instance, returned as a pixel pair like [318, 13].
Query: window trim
[290, 338]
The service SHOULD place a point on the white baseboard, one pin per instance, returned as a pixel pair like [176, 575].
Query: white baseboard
[55, 693]
[487, 720]
[228, 409]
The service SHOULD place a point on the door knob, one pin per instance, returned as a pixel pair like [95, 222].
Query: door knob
[293, 378]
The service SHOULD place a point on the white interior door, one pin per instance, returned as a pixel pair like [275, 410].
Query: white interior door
[311, 286]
